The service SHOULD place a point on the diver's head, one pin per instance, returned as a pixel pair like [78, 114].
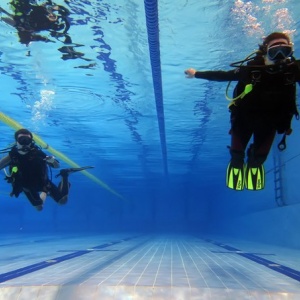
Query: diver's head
[276, 48]
[23, 138]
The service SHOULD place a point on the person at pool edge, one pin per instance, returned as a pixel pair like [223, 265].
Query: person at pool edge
[28, 172]
[263, 103]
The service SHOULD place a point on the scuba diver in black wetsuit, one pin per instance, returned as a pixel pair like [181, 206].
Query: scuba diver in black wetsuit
[264, 103]
[30, 18]
[28, 166]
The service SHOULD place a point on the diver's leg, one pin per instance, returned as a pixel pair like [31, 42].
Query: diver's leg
[257, 153]
[240, 136]
[237, 150]
[34, 198]
[60, 193]
[262, 143]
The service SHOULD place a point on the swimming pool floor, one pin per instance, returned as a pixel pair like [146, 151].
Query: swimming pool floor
[135, 266]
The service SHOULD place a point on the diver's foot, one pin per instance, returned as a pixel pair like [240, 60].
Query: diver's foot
[254, 177]
[63, 200]
[43, 196]
[39, 207]
[63, 173]
[66, 172]
[235, 176]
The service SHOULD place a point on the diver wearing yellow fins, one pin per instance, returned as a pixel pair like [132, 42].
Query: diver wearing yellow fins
[264, 102]
[28, 171]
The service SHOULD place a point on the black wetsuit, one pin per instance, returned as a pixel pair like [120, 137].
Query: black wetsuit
[268, 108]
[31, 176]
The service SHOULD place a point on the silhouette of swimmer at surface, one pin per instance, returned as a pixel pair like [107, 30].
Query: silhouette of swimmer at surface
[29, 19]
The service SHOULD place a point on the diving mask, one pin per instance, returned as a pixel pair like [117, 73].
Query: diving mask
[279, 51]
[24, 140]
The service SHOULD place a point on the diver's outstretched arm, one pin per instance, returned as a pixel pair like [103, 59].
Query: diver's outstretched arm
[4, 162]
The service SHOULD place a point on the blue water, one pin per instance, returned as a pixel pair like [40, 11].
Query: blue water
[158, 141]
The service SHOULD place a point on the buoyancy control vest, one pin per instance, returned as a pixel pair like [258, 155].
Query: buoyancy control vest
[273, 92]
[28, 170]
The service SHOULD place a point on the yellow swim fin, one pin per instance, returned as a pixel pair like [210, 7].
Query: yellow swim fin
[254, 177]
[235, 177]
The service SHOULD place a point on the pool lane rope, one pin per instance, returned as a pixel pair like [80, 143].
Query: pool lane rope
[15, 125]
[151, 11]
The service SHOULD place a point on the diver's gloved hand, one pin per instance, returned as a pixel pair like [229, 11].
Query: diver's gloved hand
[190, 73]
[9, 179]
[50, 159]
